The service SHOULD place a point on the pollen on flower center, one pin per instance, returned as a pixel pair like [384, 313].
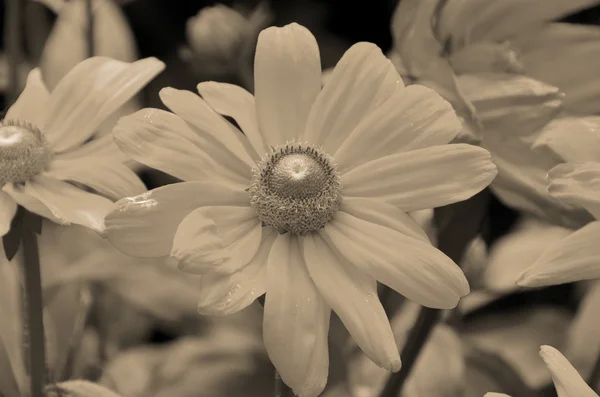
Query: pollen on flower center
[24, 152]
[295, 189]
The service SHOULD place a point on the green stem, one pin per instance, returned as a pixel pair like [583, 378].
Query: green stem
[35, 313]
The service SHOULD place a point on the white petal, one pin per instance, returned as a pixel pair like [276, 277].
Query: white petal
[412, 118]
[566, 379]
[105, 175]
[89, 94]
[217, 239]
[287, 76]
[360, 82]
[573, 258]
[424, 178]
[32, 103]
[571, 138]
[353, 296]
[222, 295]
[234, 101]
[296, 320]
[31, 203]
[164, 141]
[577, 183]
[144, 225]
[8, 208]
[408, 265]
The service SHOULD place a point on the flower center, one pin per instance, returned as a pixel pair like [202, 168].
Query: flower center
[23, 152]
[295, 189]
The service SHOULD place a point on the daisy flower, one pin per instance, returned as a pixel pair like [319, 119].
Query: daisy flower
[44, 148]
[567, 381]
[497, 63]
[309, 205]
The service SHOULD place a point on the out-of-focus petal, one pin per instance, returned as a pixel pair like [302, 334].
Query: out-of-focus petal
[352, 294]
[217, 239]
[8, 208]
[411, 118]
[566, 379]
[571, 139]
[145, 225]
[487, 57]
[287, 77]
[78, 388]
[31, 104]
[361, 81]
[574, 258]
[578, 184]
[222, 295]
[296, 320]
[91, 92]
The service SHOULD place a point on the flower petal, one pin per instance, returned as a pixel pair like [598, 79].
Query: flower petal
[410, 266]
[8, 208]
[577, 183]
[89, 94]
[31, 203]
[296, 320]
[353, 296]
[566, 379]
[144, 226]
[217, 239]
[234, 101]
[557, 138]
[574, 258]
[287, 76]
[103, 174]
[360, 82]
[164, 141]
[222, 295]
[31, 104]
[424, 178]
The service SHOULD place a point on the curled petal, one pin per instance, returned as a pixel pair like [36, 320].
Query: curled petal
[578, 184]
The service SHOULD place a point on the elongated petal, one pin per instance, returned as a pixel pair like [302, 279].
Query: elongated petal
[23, 198]
[218, 138]
[574, 258]
[571, 139]
[164, 141]
[103, 174]
[577, 183]
[410, 266]
[8, 208]
[99, 146]
[411, 118]
[425, 178]
[145, 225]
[222, 295]
[360, 82]
[352, 294]
[90, 93]
[296, 320]
[31, 104]
[287, 77]
[566, 379]
[234, 101]
[217, 239]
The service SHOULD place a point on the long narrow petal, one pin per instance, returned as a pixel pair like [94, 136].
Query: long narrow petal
[287, 76]
[574, 258]
[408, 265]
[103, 174]
[164, 141]
[145, 225]
[577, 183]
[217, 239]
[353, 296]
[8, 208]
[90, 93]
[412, 118]
[296, 320]
[68, 203]
[566, 379]
[234, 101]
[31, 104]
[222, 295]
[360, 82]
[424, 178]
[557, 138]
[31, 203]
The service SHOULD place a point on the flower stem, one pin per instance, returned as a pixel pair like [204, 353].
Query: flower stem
[35, 312]
[90, 28]
[280, 387]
